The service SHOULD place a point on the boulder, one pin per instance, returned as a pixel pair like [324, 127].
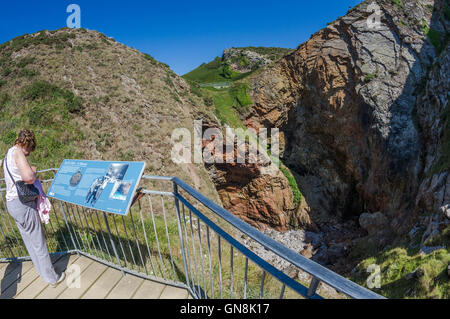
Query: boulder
[373, 223]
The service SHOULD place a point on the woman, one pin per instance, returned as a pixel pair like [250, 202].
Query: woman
[27, 216]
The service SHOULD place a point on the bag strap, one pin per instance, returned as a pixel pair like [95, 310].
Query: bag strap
[6, 165]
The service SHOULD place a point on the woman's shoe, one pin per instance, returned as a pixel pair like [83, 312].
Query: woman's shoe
[61, 279]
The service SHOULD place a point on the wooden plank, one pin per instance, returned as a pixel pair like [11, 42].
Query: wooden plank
[171, 292]
[126, 287]
[14, 275]
[39, 285]
[104, 284]
[149, 290]
[7, 268]
[26, 279]
[88, 277]
[53, 293]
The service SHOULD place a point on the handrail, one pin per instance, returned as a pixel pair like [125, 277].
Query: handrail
[323, 274]
[247, 252]
[318, 272]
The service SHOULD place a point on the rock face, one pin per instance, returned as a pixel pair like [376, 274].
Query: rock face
[246, 190]
[249, 59]
[359, 130]
[373, 223]
[243, 60]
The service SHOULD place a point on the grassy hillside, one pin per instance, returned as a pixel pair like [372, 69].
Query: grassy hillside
[88, 97]
[219, 70]
[224, 89]
[216, 71]
[407, 272]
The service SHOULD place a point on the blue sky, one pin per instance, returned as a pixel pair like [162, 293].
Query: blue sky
[182, 34]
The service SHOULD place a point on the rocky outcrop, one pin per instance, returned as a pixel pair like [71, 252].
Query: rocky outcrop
[247, 190]
[349, 104]
[248, 59]
[242, 60]
[373, 223]
[433, 197]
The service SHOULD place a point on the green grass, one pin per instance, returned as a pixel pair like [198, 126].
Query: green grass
[154, 61]
[239, 92]
[229, 103]
[369, 77]
[398, 3]
[224, 110]
[25, 61]
[50, 112]
[434, 36]
[60, 40]
[213, 72]
[396, 263]
[43, 91]
[4, 98]
[293, 184]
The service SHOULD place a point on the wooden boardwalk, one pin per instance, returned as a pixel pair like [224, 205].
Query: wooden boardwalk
[96, 281]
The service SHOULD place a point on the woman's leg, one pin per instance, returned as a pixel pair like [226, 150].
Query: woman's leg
[29, 224]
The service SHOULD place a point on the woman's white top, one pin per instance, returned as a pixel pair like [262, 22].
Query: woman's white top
[11, 190]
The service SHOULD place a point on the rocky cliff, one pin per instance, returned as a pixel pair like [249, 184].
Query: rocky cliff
[249, 59]
[360, 131]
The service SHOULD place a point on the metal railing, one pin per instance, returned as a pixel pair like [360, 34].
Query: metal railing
[175, 235]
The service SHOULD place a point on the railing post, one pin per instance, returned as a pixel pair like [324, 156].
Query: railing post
[68, 228]
[112, 244]
[180, 233]
[313, 287]
[6, 242]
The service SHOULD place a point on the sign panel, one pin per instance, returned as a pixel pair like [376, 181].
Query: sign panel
[105, 186]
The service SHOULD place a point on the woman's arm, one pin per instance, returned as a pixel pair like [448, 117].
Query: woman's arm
[27, 173]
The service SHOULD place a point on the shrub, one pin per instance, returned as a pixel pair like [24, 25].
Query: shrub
[293, 184]
[37, 115]
[240, 92]
[369, 77]
[435, 39]
[150, 58]
[78, 48]
[4, 98]
[25, 61]
[244, 61]
[433, 36]
[27, 73]
[227, 73]
[42, 90]
[9, 138]
[43, 37]
[398, 3]
[208, 101]
[6, 71]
